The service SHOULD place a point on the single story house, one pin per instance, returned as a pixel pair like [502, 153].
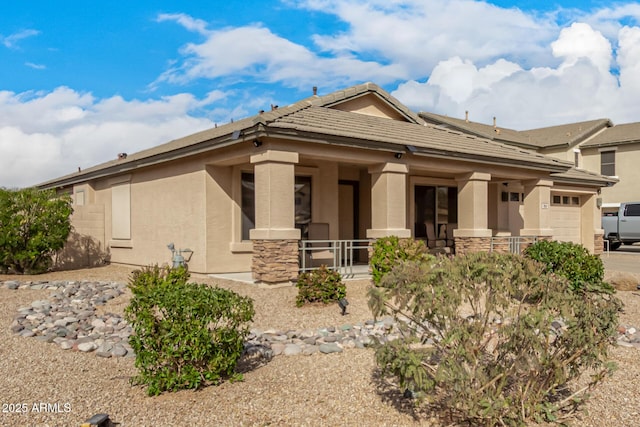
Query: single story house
[242, 196]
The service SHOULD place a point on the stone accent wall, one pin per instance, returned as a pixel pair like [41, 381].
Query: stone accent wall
[500, 244]
[598, 244]
[466, 245]
[275, 261]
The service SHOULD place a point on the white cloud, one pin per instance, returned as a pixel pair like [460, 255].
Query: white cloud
[77, 130]
[581, 87]
[11, 40]
[265, 57]
[419, 33]
[35, 66]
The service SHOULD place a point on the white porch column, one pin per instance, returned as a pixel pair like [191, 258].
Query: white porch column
[473, 205]
[275, 238]
[274, 174]
[537, 208]
[388, 201]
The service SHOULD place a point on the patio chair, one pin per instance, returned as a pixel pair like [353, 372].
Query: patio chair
[322, 255]
[432, 241]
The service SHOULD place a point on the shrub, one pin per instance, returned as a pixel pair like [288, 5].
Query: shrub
[389, 251]
[186, 335]
[491, 339]
[320, 285]
[34, 224]
[583, 270]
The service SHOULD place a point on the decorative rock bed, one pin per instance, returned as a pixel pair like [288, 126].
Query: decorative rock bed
[69, 319]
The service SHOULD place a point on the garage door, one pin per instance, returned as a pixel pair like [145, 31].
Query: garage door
[565, 218]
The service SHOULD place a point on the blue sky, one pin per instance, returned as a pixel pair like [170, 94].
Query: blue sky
[81, 81]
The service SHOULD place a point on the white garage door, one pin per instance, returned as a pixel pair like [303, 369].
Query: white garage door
[565, 218]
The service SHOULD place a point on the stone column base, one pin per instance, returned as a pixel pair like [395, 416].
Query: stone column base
[598, 244]
[465, 245]
[275, 261]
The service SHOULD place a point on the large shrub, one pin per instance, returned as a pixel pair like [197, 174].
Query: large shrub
[34, 224]
[186, 335]
[491, 339]
[389, 251]
[320, 285]
[583, 270]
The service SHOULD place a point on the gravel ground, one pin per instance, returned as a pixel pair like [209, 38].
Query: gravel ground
[63, 388]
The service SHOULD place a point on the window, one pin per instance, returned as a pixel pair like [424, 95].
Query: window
[121, 211]
[565, 200]
[632, 210]
[608, 163]
[248, 204]
[79, 199]
[514, 197]
[302, 204]
[434, 205]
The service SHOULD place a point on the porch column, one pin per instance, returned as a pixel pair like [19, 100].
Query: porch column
[537, 208]
[275, 238]
[473, 234]
[388, 201]
[591, 232]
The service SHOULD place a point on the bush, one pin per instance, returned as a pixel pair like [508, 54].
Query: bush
[491, 339]
[389, 251]
[584, 271]
[320, 285]
[186, 335]
[34, 224]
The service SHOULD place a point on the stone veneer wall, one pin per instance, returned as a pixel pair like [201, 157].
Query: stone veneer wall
[598, 244]
[500, 244]
[472, 244]
[275, 261]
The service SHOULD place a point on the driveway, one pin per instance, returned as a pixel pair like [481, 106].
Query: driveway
[627, 259]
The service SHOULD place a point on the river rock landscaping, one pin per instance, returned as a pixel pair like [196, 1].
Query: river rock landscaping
[69, 319]
[340, 388]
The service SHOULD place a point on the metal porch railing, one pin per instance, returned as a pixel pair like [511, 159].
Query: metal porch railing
[511, 244]
[345, 256]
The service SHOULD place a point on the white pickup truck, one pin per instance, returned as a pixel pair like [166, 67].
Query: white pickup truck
[623, 226]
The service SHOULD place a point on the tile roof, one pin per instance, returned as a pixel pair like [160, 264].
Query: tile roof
[313, 115]
[428, 140]
[581, 176]
[565, 135]
[547, 137]
[617, 135]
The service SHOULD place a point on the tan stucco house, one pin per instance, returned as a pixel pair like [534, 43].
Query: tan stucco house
[243, 195]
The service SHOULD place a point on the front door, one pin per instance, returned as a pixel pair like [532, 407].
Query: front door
[348, 212]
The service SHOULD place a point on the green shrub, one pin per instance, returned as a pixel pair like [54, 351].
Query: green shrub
[34, 224]
[491, 339]
[186, 335]
[389, 251]
[583, 270]
[320, 285]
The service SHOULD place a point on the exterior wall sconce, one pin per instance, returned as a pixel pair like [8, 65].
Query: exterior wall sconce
[398, 156]
[257, 143]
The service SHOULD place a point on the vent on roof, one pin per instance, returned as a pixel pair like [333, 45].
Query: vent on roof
[122, 156]
[315, 90]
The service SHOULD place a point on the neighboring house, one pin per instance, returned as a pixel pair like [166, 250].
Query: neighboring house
[241, 196]
[597, 146]
[616, 152]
